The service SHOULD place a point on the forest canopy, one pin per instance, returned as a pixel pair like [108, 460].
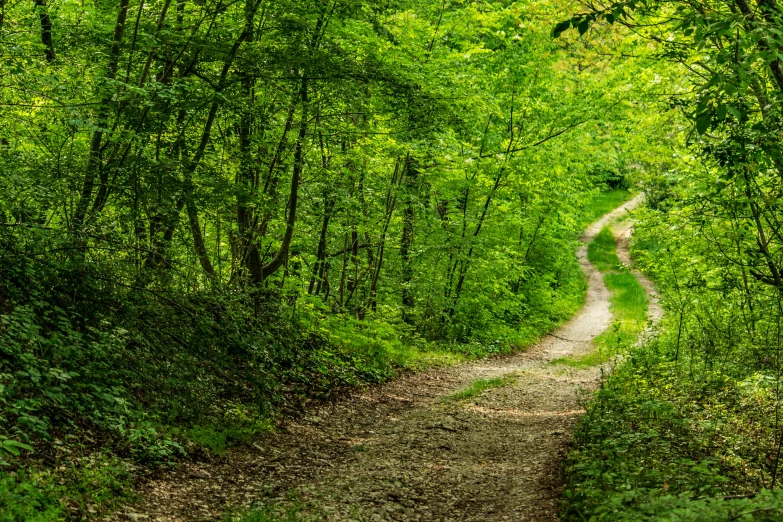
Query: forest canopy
[213, 211]
[182, 179]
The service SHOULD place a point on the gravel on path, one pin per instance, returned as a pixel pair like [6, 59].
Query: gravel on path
[402, 451]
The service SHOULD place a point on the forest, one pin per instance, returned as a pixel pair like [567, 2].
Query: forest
[294, 260]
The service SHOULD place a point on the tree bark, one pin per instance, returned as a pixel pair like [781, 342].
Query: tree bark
[293, 198]
[391, 200]
[46, 29]
[320, 257]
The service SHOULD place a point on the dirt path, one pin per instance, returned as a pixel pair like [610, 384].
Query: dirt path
[402, 451]
[622, 230]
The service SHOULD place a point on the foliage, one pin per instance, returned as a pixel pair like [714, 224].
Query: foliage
[83, 487]
[211, 212]
[656, 443]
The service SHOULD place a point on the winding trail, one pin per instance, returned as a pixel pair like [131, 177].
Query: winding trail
[401, 452]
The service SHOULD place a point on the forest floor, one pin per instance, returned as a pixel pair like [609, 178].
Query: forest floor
[475, 442]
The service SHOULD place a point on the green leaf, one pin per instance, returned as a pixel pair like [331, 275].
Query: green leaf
[703, 122]
[559, 28]
[609, 18]
[13, 447]
[584, 25]
[735, 112]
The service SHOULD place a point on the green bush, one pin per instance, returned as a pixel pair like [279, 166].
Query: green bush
[657, 439]
[79, 488]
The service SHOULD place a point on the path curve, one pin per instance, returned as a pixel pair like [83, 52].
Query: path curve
[401, 452]
[623, 230]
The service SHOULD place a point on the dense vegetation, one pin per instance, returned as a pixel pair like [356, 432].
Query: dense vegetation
[688, 425]
[211, 211]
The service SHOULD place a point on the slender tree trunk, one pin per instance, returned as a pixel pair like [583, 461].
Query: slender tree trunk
[320, 262]
[454, 263]
[391, 200]
[198, 238]
[317, 279]
[191, 166]
[463, 271]
[360, 308]
[293, 196]
[46, 28]
[406, 244]
[2, 14]
[273, 175]
[341, 291]
[94, 160]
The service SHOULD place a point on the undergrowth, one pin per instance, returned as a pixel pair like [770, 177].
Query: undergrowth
[150, 378]
[656, 444]
[687, 427]
[78, 488]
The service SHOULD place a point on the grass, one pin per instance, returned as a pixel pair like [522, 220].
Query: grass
[480, 386]
[218, 439]
[628, 305]
[603, 203]
[602, 252]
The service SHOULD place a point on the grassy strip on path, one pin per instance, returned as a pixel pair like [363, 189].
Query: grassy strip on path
[478, 387]
[628, 304]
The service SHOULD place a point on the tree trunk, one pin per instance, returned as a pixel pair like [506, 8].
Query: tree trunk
[198, 238]
[94, 160]
[406, 244]
[320, 262]
[248, 180]
[46, 28]
[293, 197]
[391, 200]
